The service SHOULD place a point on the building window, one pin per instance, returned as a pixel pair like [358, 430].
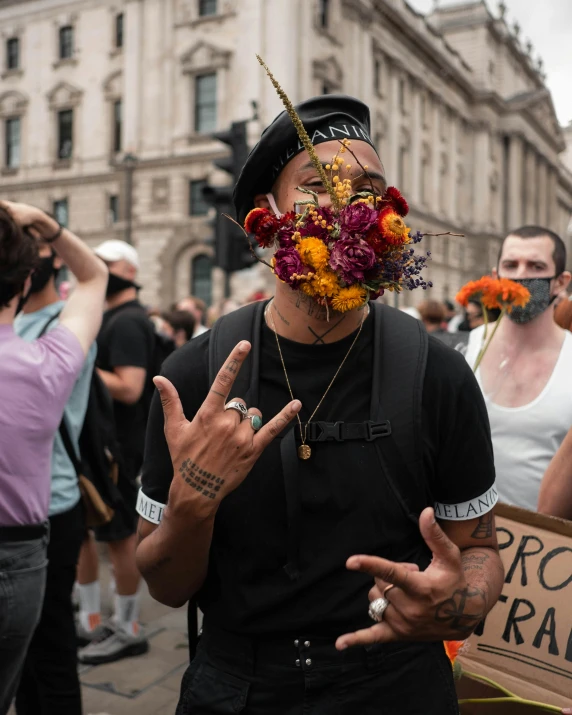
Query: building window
[205, 103]
[61, 212]
[113, 209]
[324, 13]
[425, 181]
[377, 75]
[117, 125]
[65, 134]
[13, 53]
[197, 204]
[207, 7]
[119, 30]
[13, 143]
[201, 277]
[66, 42]
[326, 88]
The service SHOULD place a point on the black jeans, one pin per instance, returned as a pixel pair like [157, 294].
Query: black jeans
[23, 568]
[50, 683]
[300, 676]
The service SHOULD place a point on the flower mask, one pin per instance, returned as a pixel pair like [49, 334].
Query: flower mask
[346, 254]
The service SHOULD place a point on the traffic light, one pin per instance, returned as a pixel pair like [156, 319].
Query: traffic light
[231, 246]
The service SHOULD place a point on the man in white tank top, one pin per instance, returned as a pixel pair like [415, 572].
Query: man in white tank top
[525, 375]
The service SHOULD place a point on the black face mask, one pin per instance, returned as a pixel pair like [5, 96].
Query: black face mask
[116, 284]
[540, 299]
[22, 302]
[44, 271]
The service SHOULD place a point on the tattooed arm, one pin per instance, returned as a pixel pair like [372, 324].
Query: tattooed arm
[211, 456]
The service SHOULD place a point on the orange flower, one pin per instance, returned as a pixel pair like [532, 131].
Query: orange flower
[399, 203]
[494, 293]
[511, 293]
[475, 290]
[452, 649]
[392, 227]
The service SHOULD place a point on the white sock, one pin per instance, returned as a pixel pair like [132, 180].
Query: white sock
[127, 613]
[89, 605]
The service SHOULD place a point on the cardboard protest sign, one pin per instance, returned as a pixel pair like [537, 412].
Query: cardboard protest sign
[525, 644]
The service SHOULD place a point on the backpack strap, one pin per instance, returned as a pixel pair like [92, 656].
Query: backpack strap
[242, 324]
[400, 359]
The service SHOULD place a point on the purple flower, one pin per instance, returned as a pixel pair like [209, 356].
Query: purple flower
[287, 229]
[352, 257]
[357, 219]
[287, 262]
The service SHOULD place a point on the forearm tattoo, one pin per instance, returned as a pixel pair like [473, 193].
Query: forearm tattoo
[463, 611]
[200, 480]
[474, 561]
[484, 529]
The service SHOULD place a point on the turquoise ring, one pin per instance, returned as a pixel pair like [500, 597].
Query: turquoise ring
[255, 421]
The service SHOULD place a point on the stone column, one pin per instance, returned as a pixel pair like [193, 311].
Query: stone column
[531, 187]
[515, 179]
[453, 151]
[132, 106]
[481, 178]
[416, 150]
[394, 122]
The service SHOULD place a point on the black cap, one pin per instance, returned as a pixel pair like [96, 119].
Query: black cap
[325, 118]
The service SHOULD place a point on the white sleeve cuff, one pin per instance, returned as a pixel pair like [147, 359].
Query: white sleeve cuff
[149, 509]
[472, 509]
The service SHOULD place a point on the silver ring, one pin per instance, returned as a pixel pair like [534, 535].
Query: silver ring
[255, 421]
[377, 609]
[238, 406]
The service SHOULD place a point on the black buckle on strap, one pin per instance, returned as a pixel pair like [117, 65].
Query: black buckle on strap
[328, 431]
[377, 429]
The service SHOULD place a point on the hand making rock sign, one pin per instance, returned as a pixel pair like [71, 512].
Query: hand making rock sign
[213, 453]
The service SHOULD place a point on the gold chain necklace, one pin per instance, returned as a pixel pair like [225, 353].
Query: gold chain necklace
[304, 450]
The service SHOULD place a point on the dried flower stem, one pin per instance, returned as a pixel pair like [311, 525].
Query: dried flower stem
[448, 233]
[303, 135]
[485, 347]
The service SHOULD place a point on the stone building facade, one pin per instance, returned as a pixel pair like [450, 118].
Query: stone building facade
[106, 107]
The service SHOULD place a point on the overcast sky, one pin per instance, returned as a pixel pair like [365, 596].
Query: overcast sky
[548, 24]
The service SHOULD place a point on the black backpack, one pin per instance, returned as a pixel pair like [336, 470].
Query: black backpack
[400, 357]
[99, 465]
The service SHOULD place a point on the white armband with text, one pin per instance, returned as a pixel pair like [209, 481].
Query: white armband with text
[466, 510]
[149, 509]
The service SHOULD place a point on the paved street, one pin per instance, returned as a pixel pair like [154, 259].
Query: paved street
[145, 685]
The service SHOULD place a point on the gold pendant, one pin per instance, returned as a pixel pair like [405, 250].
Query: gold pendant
[304, 452]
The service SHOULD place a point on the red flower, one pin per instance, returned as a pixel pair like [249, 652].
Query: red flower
[263, 224]
[376, 240]
[395, 197]
[392, 227]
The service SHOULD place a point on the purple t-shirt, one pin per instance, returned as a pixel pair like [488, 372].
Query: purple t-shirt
[36, 380]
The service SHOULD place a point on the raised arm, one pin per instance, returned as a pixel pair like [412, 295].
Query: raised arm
[211, 456]
[83, 310]
[555, 496]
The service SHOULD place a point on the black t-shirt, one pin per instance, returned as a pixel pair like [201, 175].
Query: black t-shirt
[347, 506]
[126, 339]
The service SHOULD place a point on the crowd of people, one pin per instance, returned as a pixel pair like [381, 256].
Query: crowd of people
[90, 440]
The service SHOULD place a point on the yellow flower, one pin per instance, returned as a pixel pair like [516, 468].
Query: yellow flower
[313, 252]
[349, 298]
[325, 284]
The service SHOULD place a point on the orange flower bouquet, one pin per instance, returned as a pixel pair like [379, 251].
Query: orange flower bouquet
[454, 648]
[491, 293]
